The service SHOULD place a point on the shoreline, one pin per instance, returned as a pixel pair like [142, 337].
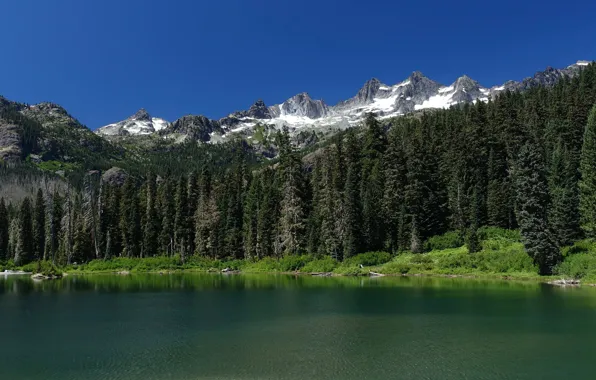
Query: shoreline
[471, 276]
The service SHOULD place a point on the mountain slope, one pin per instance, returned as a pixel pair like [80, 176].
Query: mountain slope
[417, 92]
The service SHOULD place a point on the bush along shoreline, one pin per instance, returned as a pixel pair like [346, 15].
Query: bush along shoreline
[501, 255]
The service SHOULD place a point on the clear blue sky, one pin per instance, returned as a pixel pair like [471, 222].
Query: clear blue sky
[102, 60]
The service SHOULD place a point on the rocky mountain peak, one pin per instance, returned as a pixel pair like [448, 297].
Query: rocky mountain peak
[259, 110]
[416, 76]
[303, 105]
[465, 82]
[367, 93]
[141, 115]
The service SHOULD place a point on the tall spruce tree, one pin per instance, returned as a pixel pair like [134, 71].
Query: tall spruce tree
[25, 249]
[564, 217]
[150, 229]
[4, 228]
[372, 183]
[39, 225]
[587, 185]
[532, 212]
[292, 218]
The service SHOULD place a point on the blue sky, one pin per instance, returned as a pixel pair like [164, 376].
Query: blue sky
[103, 60]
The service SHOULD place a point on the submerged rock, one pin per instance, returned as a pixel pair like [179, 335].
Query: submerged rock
[564, 282]
[41, 276]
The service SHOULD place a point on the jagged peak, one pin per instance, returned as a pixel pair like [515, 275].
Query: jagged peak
[259, 103]
[141, 114]
[416, 75]
[465, 81]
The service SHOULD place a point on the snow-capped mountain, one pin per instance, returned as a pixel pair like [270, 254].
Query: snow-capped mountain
[417, 92]
[141, 123]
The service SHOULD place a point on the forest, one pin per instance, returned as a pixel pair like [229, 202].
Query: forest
[524, 161]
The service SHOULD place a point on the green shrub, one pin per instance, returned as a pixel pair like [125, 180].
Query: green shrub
[368, 259]
[148, 264]
[496, 233]
[579, 265]
[111, 265]
[44, 267]
[452, 239]
[291, 263]
[350, 270]
[506, 259]
[395, 267]
[267, 264]
[456, 260]
[582, 246]
[326, 264]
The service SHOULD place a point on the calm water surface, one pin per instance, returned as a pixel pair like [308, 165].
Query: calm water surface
[198, 326]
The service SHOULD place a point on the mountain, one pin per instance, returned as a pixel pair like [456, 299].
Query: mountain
[301, 112]
[141, 123]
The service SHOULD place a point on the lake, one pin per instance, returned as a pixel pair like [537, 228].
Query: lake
[212, 326]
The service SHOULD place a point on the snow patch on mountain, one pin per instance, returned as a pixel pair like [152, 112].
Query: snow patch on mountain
[415, 93]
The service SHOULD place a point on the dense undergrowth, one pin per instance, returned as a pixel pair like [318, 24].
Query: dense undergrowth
[502, 255]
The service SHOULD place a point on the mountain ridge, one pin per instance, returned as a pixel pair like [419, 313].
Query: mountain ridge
[416, 92]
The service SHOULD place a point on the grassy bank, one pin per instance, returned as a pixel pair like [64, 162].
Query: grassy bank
[502, 256]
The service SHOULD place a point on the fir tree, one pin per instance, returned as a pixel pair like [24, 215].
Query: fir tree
[4, 229]
[292, 218]
[150, 228]
[39, 225]
[532, 213]
[25, 249]
[587, 185]
[564, 217]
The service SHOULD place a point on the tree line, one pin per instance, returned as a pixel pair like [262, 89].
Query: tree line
[522, 161]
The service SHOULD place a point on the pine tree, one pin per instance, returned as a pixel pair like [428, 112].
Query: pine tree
[292, 218]
[394, 195]
[150, 227]
[25, 249]
[251, 216]
[4, 229]
[327, 209]
[532, 213]
[130, 220]
[472, 240]
[587, 185]
[498, 199]
[181, 220]
[207, 219]
[372, 184]
[54, 227]
[39, 225]
[351, 215]
[564, 215]
[167, 212]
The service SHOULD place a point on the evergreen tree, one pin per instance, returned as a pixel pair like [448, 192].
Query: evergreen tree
[472, 240]
[150, 228]
[564, 215]
[166, 202]
[292, 218]
[25, 249]
[587, 185]
[251, 216]
[498, 199]
[181, 220]
[372, 184]
[4, 229]
[39, 225]
[351, 215]
[54, 226]
[394, 195]
[532, 213]
[130, 220]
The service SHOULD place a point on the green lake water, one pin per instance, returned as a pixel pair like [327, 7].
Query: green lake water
[200, 326]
